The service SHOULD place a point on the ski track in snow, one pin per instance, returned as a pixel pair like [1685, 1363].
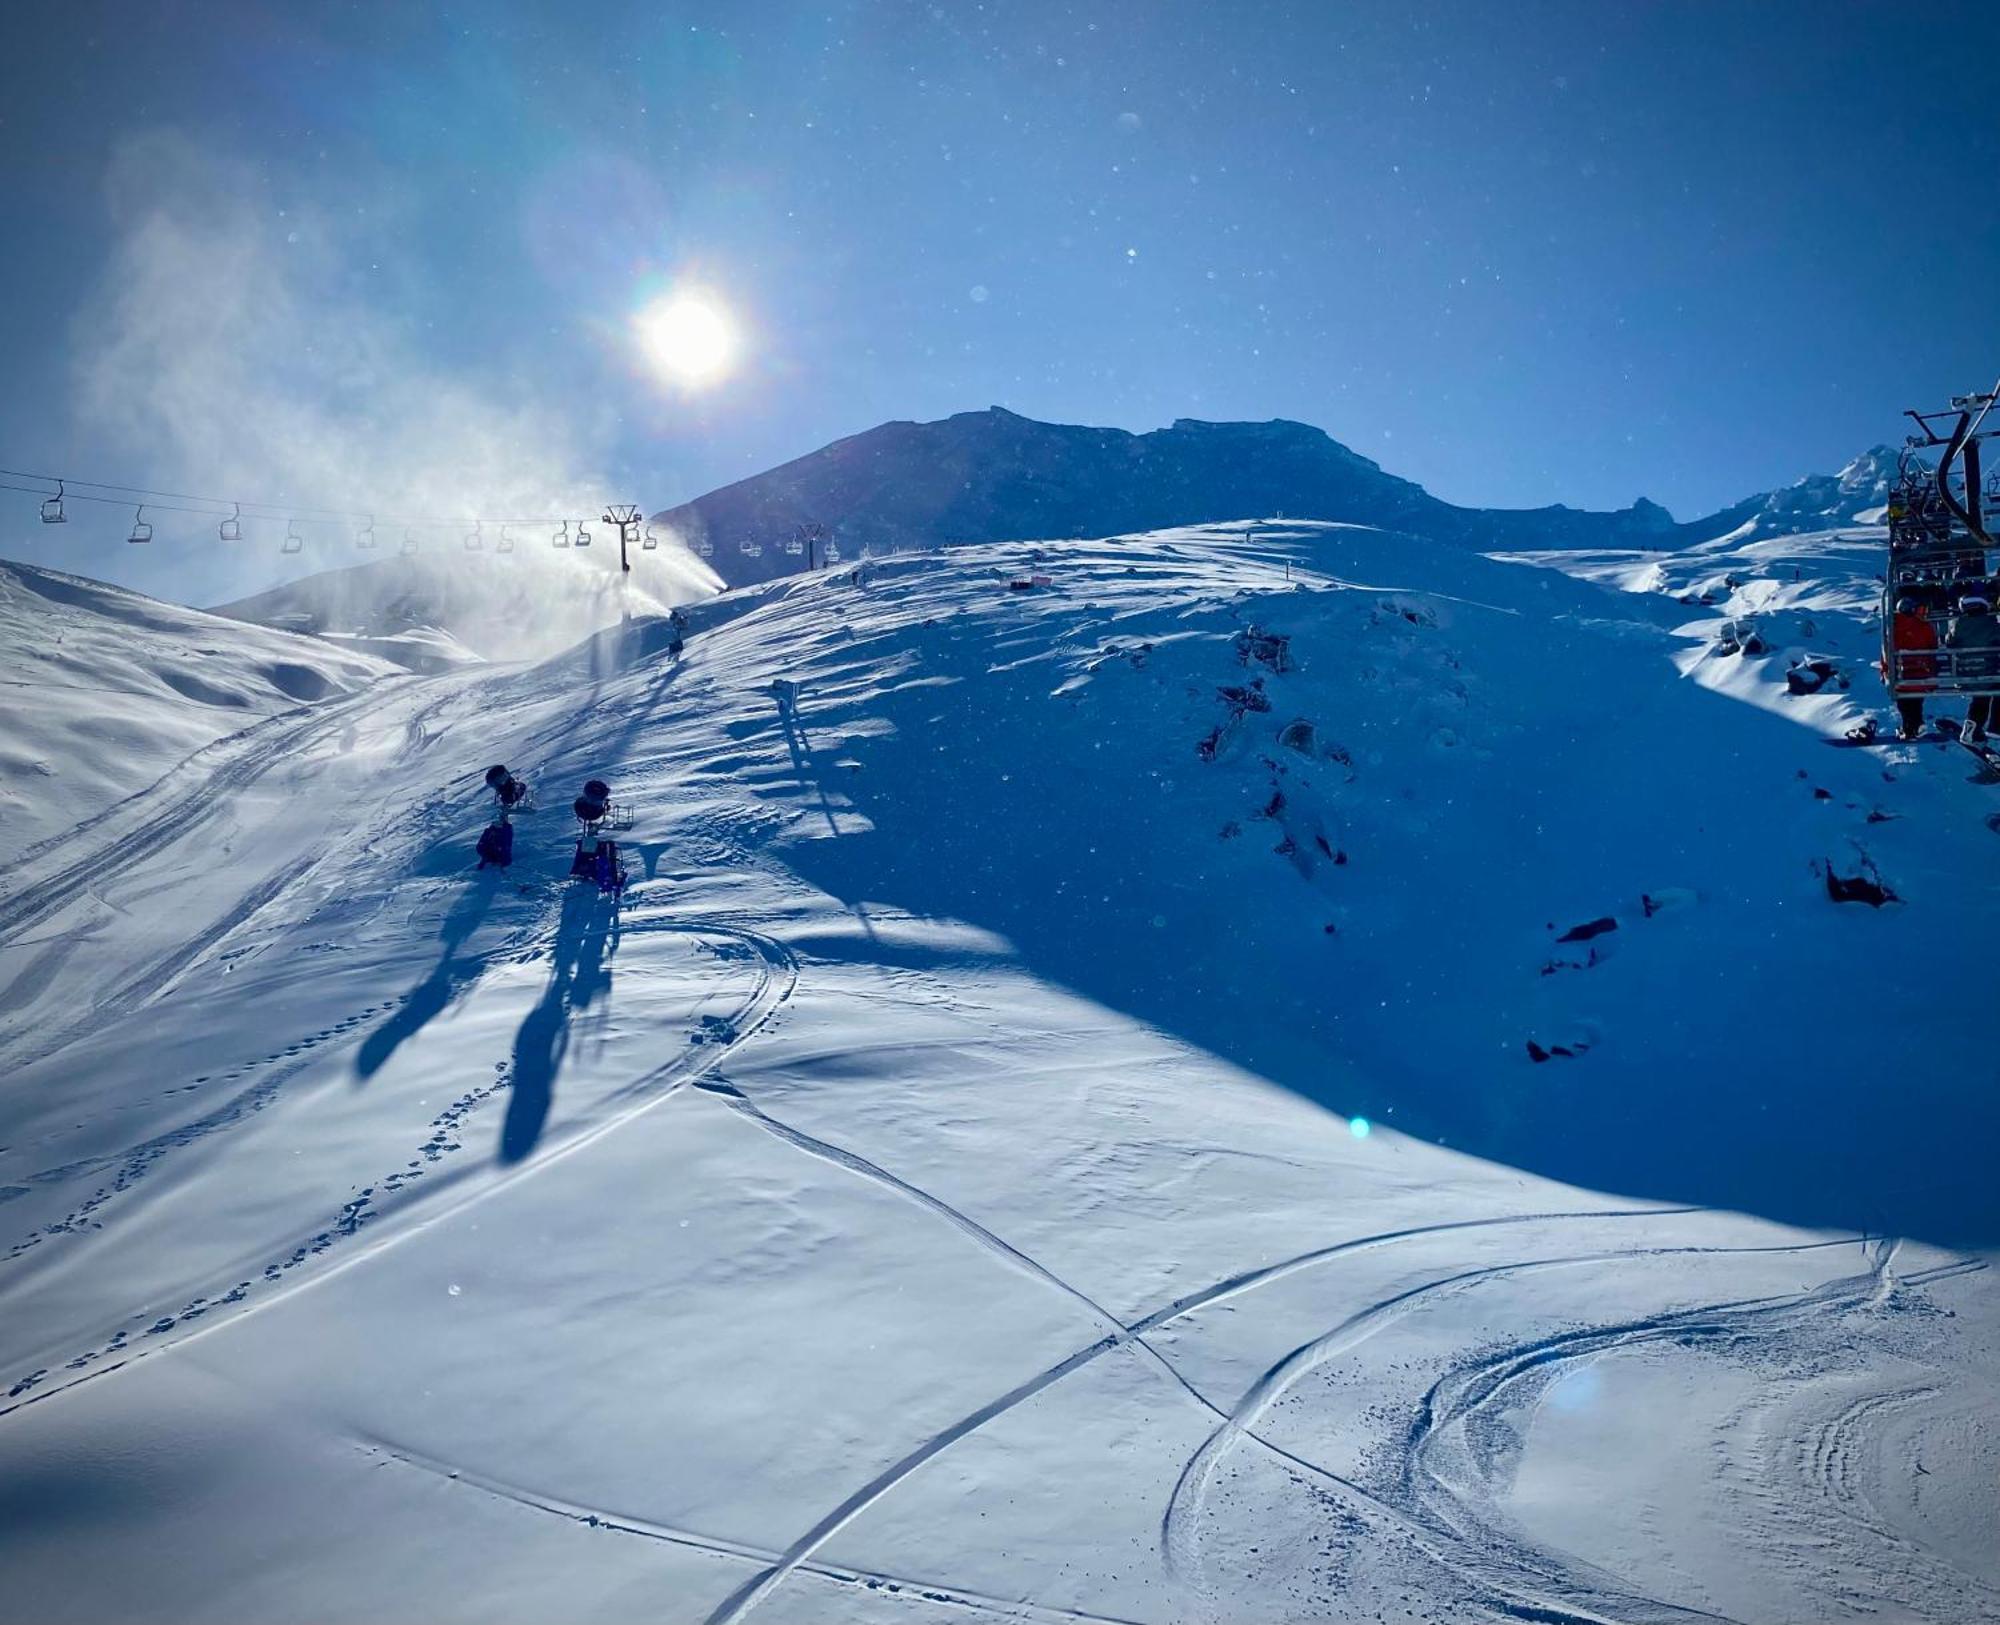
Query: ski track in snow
[1440, 1448]
[175, 806]
[893, 1585]
[760, 1586]
[1827, 1462]
[1481, 1558]
[1488, 1556]
[777, 977]
[1433, 1494]
[241, 758]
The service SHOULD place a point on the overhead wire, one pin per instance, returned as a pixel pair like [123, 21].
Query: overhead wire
[227, 507]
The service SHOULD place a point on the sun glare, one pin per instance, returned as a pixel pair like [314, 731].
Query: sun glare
[686, 338]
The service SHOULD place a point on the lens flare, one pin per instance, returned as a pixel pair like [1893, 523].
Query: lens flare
[686, 338]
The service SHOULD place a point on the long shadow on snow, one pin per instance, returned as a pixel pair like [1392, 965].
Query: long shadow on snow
[430, 997]
[1823, 1123]
[579, 975]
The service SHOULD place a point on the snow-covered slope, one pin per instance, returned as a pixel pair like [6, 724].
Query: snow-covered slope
[1055, 1131]
[432, 611]
[103, 690]
[1857, 495]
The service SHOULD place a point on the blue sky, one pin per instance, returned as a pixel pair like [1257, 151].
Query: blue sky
[388, 256]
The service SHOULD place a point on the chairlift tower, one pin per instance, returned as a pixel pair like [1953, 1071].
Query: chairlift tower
[1967, 416]
[625, 516]
[811, 538]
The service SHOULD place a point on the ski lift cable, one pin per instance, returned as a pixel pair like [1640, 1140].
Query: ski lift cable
[306, 512]
[230, 507]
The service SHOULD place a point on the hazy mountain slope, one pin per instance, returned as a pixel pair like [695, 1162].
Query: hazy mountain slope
[429, 611]
[1052, 1132]
[102, 690]
[993, 476]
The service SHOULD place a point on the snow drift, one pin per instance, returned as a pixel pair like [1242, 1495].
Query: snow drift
[103, 690]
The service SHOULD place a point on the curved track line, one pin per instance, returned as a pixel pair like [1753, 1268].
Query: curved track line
[855, 1163]
[1177, 1537]
[777, 979]
[188, 807]
[1826, 1461]
[759, 1586]
[622, 1524]
[1461, 1393]
[246, 755]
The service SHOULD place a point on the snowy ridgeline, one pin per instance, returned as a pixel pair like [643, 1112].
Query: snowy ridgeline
[1253, 1073]
[997, 476]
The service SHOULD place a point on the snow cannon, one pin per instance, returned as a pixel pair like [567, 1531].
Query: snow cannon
[594, 805]
[511, 793]
[496, 841]
[597, 857]
[595, 808]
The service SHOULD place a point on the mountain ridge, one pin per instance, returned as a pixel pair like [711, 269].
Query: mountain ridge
[995, 475]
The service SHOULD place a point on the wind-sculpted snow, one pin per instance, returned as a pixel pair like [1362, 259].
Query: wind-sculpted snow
[1258, 1073]
[103, 691]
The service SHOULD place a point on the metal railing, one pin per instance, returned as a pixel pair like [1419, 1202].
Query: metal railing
[1942, 670]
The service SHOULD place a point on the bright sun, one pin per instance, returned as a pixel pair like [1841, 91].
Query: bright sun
[686, 337]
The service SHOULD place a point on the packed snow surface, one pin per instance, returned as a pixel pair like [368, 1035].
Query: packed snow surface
[102, 691]
[1054, 1132]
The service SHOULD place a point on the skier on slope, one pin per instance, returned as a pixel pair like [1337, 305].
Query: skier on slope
[1910, 633]
[1974, 636]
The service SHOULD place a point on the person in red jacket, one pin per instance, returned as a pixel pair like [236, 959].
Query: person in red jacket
[1910, 634]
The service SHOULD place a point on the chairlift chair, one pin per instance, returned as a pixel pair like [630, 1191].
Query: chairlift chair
[294, 542]
[141, 531]
[750, 548]
[705, 548]
[409, 541]
[364, 538]
[474, 541]
[650, 543]
[506, 541]
[52, 508]
[831, 552]
[795, 544]
[582, 535]
[561, 537]
[1938, 545]
[231, 529]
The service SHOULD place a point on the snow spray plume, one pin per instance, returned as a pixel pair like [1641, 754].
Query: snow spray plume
[244, 345]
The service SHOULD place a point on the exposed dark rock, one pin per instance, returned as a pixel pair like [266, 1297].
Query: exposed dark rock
[1589, 929]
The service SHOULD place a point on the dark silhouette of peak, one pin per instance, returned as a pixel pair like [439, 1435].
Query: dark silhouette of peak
[995, 475]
